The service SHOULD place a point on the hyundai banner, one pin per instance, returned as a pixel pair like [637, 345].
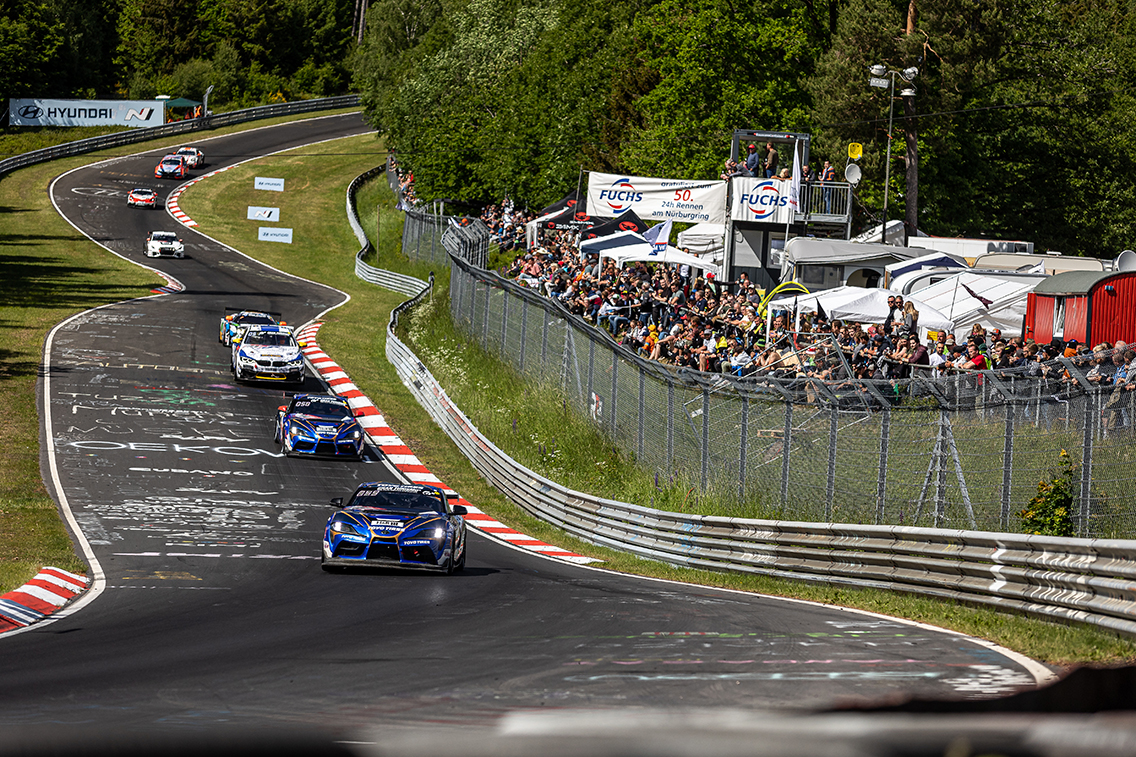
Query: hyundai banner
[41, 112]
[761, 200]
[611, 195]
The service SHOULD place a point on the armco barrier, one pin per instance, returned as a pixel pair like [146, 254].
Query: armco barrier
[1085, 580]
[397, 282]
[134, 136]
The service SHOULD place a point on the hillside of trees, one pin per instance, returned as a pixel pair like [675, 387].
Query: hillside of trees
[250, 50]
[1023, 118]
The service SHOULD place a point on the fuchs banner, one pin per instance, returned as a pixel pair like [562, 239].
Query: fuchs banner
[611, 195]
[40, 112]
[762, 200]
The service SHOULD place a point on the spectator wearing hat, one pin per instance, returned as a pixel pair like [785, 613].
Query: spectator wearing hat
[753, 160]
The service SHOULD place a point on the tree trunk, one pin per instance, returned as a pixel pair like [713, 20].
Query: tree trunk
[911, 137]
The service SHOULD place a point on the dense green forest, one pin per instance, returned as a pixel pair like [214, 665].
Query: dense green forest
[1023, 115]
[250, 50]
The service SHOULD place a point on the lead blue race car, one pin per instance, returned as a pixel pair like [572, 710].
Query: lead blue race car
[319, 424]
[390, 525]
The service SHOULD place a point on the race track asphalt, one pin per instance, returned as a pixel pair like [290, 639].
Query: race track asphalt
[215, 610]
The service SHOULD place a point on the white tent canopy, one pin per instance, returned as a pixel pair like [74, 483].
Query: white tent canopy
[627, 247]
[1006, 311]
[861, 305]
[704, 239]
[928, 261]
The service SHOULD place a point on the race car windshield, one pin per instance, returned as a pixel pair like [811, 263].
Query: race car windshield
[256, 320]
[166, 237]
[269, 339]
[407, 502]
[143, 192]
[321, 409]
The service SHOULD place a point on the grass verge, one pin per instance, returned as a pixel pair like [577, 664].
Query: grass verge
[355, 335]
[48, 272]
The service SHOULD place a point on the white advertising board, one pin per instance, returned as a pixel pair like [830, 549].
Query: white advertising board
[44, 112]
[761, 200]
[274, 234]
[611, 195]
[272, 215]
[272, 185]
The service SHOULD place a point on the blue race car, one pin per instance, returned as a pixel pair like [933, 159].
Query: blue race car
[319, 424]
[395, 526]
[232, 325]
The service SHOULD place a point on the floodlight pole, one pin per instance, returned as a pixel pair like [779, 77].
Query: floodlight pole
[887, 162]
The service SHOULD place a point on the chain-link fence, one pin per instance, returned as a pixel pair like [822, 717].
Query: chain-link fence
[965, 451]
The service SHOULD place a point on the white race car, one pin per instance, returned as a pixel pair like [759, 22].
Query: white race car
[159, 243]
[194, 158]
[267, 353]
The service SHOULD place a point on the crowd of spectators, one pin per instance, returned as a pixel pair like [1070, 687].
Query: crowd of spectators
[667, 314]
[705, 324]
[406, 192]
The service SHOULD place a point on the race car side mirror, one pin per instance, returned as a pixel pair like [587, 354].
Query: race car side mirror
[357, 412]
[337, 502]
[302, 344]
[283, 408]
[459, 510]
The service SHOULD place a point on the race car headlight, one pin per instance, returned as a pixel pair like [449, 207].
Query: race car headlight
[439, 532]
[354, 435]
[245, 359]
[295, 429]
[344, 527]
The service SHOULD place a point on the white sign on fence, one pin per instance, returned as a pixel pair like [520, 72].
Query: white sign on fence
[271, 215]
[44, 112]
[611, 195]
[273, 185]
[275, 234]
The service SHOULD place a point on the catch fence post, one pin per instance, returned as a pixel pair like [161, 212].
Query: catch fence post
[743, 444]
[642, 411]
[670, 425]
[830, 489]
[881, 479]
[1087, 465]
[524, 328]
[614, 391]
[1008, 465]
[504, 320]
[705, 438]
[786, 444]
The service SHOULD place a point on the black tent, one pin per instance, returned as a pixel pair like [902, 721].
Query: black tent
[568, 219]
[626, 222]
[570, 200]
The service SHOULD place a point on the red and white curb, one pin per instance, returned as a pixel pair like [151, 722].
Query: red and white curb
[172, 286]
[43, 595]
[403, 458]
[172, 200]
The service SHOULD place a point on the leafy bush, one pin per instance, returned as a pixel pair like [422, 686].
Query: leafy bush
[1050, 512]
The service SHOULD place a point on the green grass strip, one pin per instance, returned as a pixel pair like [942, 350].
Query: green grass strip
[355, 335]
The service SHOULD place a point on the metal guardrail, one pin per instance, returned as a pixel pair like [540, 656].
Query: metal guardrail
[397, 282]
[1085, 580]
[134, 136]
[1082, 580]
